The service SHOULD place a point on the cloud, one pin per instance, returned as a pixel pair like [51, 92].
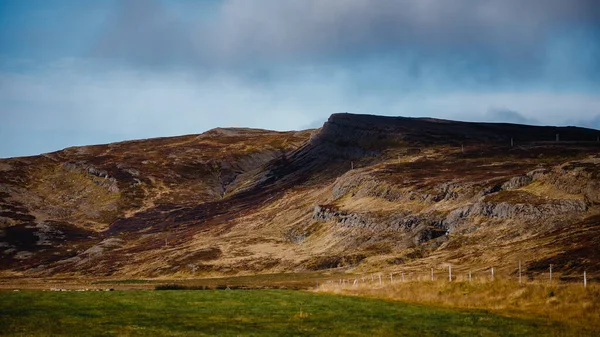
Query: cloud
[145, 68]
[246, 32]
[508, 116]
[381, 45]
[145, 32]
[300, 26]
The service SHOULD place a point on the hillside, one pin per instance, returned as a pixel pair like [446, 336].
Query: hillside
[362, 193]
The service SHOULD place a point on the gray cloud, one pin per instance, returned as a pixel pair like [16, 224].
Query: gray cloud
[299, 26]
[141, 31]
[251, 32]
[169, 68]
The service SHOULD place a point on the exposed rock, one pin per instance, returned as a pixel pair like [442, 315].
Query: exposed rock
[517, 182]
[109, 182]
[528, 212]
[425, 226]
[23, 255]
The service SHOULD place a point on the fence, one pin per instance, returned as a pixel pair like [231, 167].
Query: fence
[551, 276]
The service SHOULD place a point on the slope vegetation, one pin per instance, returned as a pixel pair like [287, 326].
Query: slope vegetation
[362, 193]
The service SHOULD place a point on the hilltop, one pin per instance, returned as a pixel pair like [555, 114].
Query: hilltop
[361, 193]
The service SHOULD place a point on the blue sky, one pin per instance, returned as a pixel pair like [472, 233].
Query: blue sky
[88, 72]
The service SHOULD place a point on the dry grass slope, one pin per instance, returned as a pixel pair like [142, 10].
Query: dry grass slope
[569, 303]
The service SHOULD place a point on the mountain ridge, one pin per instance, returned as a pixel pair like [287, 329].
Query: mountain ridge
[361, 192]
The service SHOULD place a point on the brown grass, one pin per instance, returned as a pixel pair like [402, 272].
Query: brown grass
[549, 191]
[516, 197]
[567, 302]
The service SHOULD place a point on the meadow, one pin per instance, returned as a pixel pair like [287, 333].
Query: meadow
[569, 303]
[246, 312]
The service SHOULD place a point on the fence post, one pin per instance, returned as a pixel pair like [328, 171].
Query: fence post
[492, 273]
[391, 278]
[380, 283]
[584, 279]
[432, 274]
[520, 279]
[449, 273]
[550, 274]
[469, 276]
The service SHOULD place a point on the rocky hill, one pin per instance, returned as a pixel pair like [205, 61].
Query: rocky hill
[361, 193]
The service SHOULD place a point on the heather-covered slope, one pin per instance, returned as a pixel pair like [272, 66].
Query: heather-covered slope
[360, 193]
[57, 205]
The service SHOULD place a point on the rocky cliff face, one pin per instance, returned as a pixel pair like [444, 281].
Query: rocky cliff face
[361, 192]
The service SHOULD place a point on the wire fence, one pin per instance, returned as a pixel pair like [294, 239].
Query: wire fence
[448, 273]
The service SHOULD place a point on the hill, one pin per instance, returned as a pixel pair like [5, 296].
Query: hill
[361, 193]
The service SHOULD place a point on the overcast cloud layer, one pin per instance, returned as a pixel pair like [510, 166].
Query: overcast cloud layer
[76, 73]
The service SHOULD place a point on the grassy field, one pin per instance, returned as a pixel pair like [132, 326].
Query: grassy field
[567, 302]
[296, 281]
[244, 312]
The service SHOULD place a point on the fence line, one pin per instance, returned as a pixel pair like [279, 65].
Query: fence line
[377, 280]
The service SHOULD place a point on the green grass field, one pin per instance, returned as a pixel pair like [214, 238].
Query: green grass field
[243, 312]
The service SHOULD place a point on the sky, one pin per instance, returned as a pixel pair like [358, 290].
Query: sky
[91, 72]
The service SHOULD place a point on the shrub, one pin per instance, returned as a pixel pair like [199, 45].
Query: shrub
[169, 287]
